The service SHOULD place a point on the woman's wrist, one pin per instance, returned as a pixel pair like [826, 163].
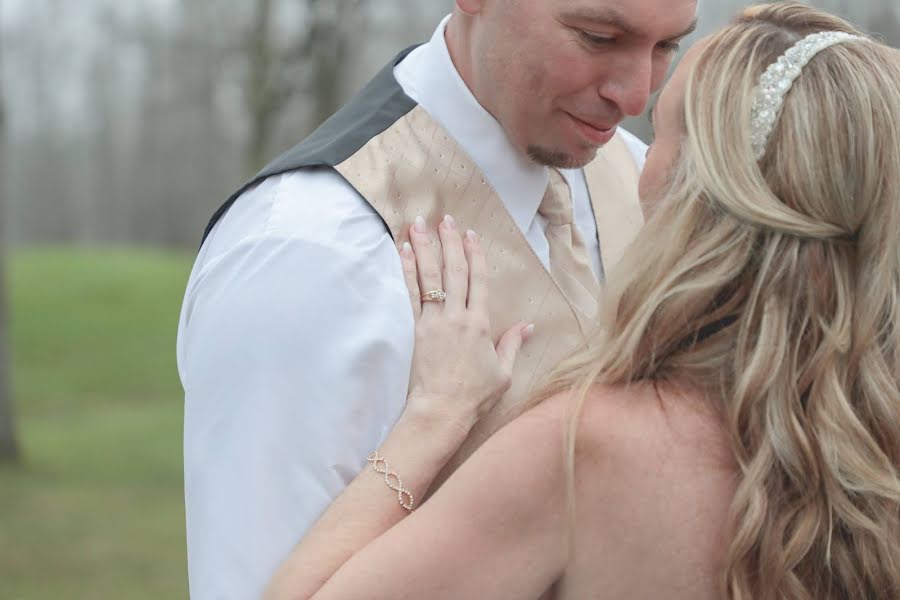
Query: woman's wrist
[436, 416]
[433, 435]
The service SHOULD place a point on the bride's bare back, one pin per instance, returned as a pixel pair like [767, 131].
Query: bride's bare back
[655, 479]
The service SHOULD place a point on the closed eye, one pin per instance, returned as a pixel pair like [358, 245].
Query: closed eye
[597, 40]
[670, 47]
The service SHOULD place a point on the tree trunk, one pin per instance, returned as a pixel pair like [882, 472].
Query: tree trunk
[263, 98]
[9, 447]
[273, 80]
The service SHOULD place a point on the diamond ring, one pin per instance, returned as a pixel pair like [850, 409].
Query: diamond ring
[434, 296]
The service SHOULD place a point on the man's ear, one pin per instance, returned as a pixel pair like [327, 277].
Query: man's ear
[470, 7]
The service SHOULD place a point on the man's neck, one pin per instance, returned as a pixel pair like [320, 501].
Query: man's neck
[457, 36]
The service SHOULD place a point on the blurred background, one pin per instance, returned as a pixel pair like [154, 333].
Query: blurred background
[123, 125]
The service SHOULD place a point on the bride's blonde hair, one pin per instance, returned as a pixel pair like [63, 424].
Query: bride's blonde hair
[774, 287]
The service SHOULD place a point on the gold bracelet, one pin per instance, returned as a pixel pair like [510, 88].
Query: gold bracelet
[404, 496]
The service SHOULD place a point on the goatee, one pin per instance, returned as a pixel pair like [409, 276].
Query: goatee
[557, 159]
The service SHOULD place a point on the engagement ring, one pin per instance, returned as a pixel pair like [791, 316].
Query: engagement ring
[434, 296]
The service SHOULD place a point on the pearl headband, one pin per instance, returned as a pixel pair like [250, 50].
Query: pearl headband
[776, 82]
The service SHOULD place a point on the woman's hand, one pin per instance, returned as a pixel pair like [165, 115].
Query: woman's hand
[458, 373]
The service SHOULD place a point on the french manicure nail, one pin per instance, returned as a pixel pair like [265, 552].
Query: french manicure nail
[473, 237]
[420, 224]
[449, 222]
[407, 248]
[528, 331]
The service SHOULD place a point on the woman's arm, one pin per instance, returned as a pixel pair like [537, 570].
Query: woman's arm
[457, 375]
[416, 449]
[495, 529]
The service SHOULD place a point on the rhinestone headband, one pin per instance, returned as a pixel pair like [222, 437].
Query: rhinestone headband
[776, 82]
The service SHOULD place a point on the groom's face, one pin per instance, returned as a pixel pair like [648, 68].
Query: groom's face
[560, 75]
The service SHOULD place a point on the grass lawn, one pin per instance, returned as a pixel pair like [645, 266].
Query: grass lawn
[95, 510]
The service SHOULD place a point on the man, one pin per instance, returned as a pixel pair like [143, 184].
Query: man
[296, 334]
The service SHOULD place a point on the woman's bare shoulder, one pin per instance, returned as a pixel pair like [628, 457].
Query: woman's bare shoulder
[636, 434]
[639, 435]
[662, 423]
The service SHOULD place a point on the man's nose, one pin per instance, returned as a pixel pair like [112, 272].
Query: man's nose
[631, 87]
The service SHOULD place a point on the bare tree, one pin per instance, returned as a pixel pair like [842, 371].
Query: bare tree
[314, 65]
[266, 91]
[188, 137]
[9, 448]
[333, 29]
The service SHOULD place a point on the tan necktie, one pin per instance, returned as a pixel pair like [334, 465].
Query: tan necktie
[569, 262]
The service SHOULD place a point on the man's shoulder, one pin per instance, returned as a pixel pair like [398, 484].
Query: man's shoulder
[309, 205]
[290, 234]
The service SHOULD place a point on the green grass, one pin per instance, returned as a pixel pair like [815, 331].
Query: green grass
[95, 509]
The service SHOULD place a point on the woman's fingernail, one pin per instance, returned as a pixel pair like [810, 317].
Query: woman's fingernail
[407, 248]
[473, 237]
[528, 331]
[420, 224]
[449, 222]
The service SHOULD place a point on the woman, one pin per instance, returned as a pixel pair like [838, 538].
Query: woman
[734, 429]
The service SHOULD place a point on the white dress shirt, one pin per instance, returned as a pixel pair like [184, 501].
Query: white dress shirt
[296, 338]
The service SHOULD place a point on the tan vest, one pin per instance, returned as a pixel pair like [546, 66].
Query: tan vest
[405, 164]
[416, 168]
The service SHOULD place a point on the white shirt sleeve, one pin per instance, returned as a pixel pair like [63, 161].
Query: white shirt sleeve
[294, 350]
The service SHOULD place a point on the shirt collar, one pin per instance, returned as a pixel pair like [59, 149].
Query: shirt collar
[429, 77]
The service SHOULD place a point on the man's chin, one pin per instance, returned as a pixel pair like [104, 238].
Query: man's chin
[559, 159]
